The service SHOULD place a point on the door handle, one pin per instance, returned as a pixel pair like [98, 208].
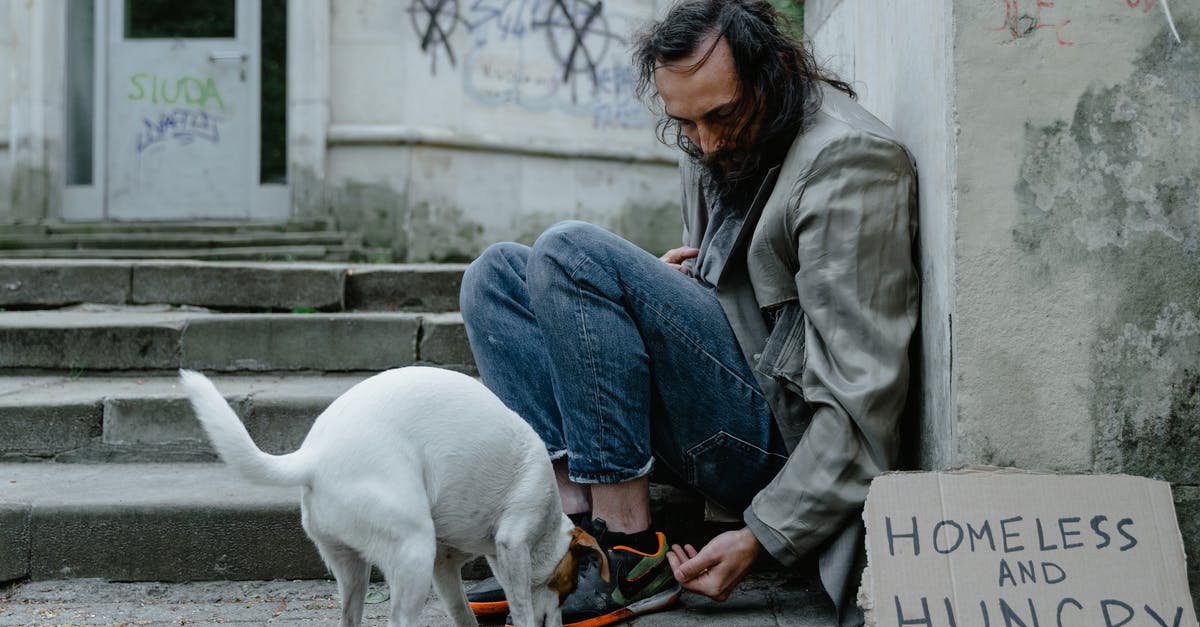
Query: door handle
[227, 55]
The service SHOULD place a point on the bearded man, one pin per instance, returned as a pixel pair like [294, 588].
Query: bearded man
[763, 364]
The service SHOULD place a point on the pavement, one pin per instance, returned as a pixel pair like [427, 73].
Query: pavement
[765, 599]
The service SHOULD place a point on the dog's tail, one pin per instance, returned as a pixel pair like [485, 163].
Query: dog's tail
[233, 444]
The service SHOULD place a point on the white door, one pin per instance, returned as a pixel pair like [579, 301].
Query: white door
[183, 109]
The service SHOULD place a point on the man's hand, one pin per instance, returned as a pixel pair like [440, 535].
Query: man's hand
[675, 257]
[719, 567]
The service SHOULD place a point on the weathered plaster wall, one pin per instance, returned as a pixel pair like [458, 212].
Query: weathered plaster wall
[459, 124]
[897, 56]
[440, 204]
[1078, 260]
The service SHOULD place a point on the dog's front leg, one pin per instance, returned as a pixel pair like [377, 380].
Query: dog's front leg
[447, 581]
[515, 575]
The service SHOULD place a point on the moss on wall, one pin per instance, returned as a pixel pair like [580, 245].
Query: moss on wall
[1116, 190]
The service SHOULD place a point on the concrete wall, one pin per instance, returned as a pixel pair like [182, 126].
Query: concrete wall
[1076, 222]
[487, 121]
[874, 46]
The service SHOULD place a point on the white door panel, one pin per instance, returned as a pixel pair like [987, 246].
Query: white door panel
[183, 121]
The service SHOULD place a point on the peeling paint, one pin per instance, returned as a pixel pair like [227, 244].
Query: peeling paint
[1117, 190]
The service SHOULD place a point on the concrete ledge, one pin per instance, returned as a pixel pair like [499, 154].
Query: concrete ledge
[87, 340]
[118, 419]
[53, 283]
[163, 543]
[84, 341]
[242, 286]
[238, 285]
[335, 342]
[47, 426]
[444, 341]
[14, 540]
[411, 287]
[158, 522]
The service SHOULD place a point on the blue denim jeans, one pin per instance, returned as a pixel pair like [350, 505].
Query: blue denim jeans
[619, 362]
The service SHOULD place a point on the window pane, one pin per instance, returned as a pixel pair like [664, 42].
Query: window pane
[168, 19]
[273, 154]
[81, 100]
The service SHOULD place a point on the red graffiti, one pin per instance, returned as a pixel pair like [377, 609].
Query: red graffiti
[1020, 23]
[1145, 5]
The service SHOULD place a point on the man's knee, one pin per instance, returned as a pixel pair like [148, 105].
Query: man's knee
[569, 235]
[493, 269]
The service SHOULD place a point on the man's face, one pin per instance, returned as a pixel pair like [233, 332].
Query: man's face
[705, 101]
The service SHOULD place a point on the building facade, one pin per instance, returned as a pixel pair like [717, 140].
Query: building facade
[432, 127]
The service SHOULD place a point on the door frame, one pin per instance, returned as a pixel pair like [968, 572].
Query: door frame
[308, 115]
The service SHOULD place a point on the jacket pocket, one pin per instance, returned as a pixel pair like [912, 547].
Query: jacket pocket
[782, 357]
[729, 470]
[782, 360]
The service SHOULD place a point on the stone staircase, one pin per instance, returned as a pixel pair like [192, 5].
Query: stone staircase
[298, 240]
[103, 470]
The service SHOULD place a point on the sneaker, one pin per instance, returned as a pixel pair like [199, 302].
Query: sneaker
[639, 583]
[486, 598]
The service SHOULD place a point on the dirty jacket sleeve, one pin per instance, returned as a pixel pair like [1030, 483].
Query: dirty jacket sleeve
[851, 224]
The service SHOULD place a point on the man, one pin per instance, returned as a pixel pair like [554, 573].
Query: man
[764, 363]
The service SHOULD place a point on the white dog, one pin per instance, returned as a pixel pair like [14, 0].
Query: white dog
[418, 470]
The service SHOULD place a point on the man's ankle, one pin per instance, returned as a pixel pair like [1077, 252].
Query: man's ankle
[643, 541]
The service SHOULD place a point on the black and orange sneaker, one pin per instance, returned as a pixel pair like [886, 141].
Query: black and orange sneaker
[487, 599]
[639, 583]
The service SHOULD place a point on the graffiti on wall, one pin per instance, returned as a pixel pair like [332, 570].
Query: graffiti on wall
[434, 21]
[184, 124]
[541, 55]
[1026, 17]
[190, 90]
[181, 126]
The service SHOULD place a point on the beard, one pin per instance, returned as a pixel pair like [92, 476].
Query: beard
[735, 174]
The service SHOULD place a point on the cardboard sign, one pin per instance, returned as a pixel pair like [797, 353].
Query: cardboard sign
[1003, 548]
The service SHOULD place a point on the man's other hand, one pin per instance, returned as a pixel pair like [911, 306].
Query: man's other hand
[719, 567]
[676, 256]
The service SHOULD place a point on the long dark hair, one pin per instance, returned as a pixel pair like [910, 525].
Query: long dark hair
[777, 75]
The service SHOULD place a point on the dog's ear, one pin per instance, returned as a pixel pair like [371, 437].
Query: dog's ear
[564, 579]
[582, 541]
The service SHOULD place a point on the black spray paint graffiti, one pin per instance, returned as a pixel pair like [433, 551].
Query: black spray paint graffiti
[182, 125]
[581, 23]
[434, 21]
[540, 55]
[577, 31]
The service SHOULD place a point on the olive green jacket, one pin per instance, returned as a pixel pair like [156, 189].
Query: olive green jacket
[827, 248]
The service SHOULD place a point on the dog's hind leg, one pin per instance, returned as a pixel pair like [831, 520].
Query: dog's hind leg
[352, 573]
[408, 568]
[447, 581]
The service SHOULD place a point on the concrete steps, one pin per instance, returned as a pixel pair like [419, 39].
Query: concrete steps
[104, 472]
[103, 469]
